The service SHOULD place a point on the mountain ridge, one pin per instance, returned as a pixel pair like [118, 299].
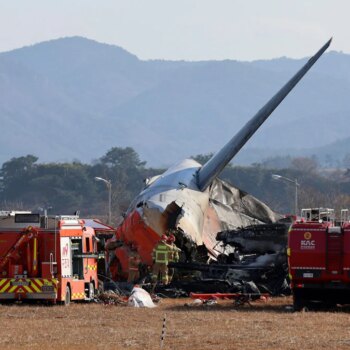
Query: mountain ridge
[76, 98]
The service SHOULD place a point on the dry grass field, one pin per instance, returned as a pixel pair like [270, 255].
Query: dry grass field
[222, 326]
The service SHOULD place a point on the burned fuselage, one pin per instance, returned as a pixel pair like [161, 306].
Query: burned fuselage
[259, 253]
[254, 260]
[257, 239]
[190, 200]
[193, 216]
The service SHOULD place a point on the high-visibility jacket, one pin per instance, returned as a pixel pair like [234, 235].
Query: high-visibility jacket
[160, 253]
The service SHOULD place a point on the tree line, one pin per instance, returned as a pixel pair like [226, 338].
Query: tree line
[63, 188]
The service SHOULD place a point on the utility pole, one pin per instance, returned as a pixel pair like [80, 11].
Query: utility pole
[296, 184]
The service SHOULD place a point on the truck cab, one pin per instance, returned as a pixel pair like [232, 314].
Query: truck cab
[319, 258]
[51, 258]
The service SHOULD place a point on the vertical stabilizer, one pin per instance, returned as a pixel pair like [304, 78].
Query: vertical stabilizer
[214, 166]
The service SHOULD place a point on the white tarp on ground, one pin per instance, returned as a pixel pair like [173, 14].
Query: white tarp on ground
[140, 298]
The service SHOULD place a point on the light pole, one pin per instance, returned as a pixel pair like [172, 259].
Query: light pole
[109, 186]
[45, 210]
[295, 182]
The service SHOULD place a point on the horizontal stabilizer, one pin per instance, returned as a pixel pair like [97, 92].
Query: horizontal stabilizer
[214, 166]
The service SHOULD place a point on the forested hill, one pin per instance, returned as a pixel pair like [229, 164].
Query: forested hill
[74, 98]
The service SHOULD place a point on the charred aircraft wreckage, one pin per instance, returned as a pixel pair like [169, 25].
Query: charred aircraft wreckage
[193, 203]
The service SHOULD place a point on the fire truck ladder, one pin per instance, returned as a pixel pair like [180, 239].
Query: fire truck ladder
[27, 235]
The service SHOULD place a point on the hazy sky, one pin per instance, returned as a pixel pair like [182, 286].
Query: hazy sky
[183, 29]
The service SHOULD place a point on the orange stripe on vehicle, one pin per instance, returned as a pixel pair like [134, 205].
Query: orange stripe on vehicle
[78, 295]
[35, 255]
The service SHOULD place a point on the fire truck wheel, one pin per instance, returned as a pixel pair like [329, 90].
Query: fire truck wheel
[91, 291]
[299, 304]
[67, 297]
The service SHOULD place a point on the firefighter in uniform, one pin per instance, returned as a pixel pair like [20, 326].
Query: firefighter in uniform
[134, 262]
[173, 255]
[160, 257]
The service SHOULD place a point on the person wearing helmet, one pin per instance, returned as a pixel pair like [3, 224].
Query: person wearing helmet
[160, 255]
[171, 239]
[173, 255]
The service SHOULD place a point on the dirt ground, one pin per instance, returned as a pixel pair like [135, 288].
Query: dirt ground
[223, 326]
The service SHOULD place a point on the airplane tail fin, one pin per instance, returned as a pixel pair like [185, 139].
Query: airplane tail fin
[214, 165]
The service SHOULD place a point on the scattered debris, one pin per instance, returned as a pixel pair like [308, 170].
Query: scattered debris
[200, 302]
[239, 298]
[289, 308]
[110, 297]
[258, 253]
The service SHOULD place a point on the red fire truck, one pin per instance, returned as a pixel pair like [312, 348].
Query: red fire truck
[319, 258]
[47, 258]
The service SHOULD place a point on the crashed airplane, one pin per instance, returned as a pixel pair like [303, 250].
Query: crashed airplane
[189, 200]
